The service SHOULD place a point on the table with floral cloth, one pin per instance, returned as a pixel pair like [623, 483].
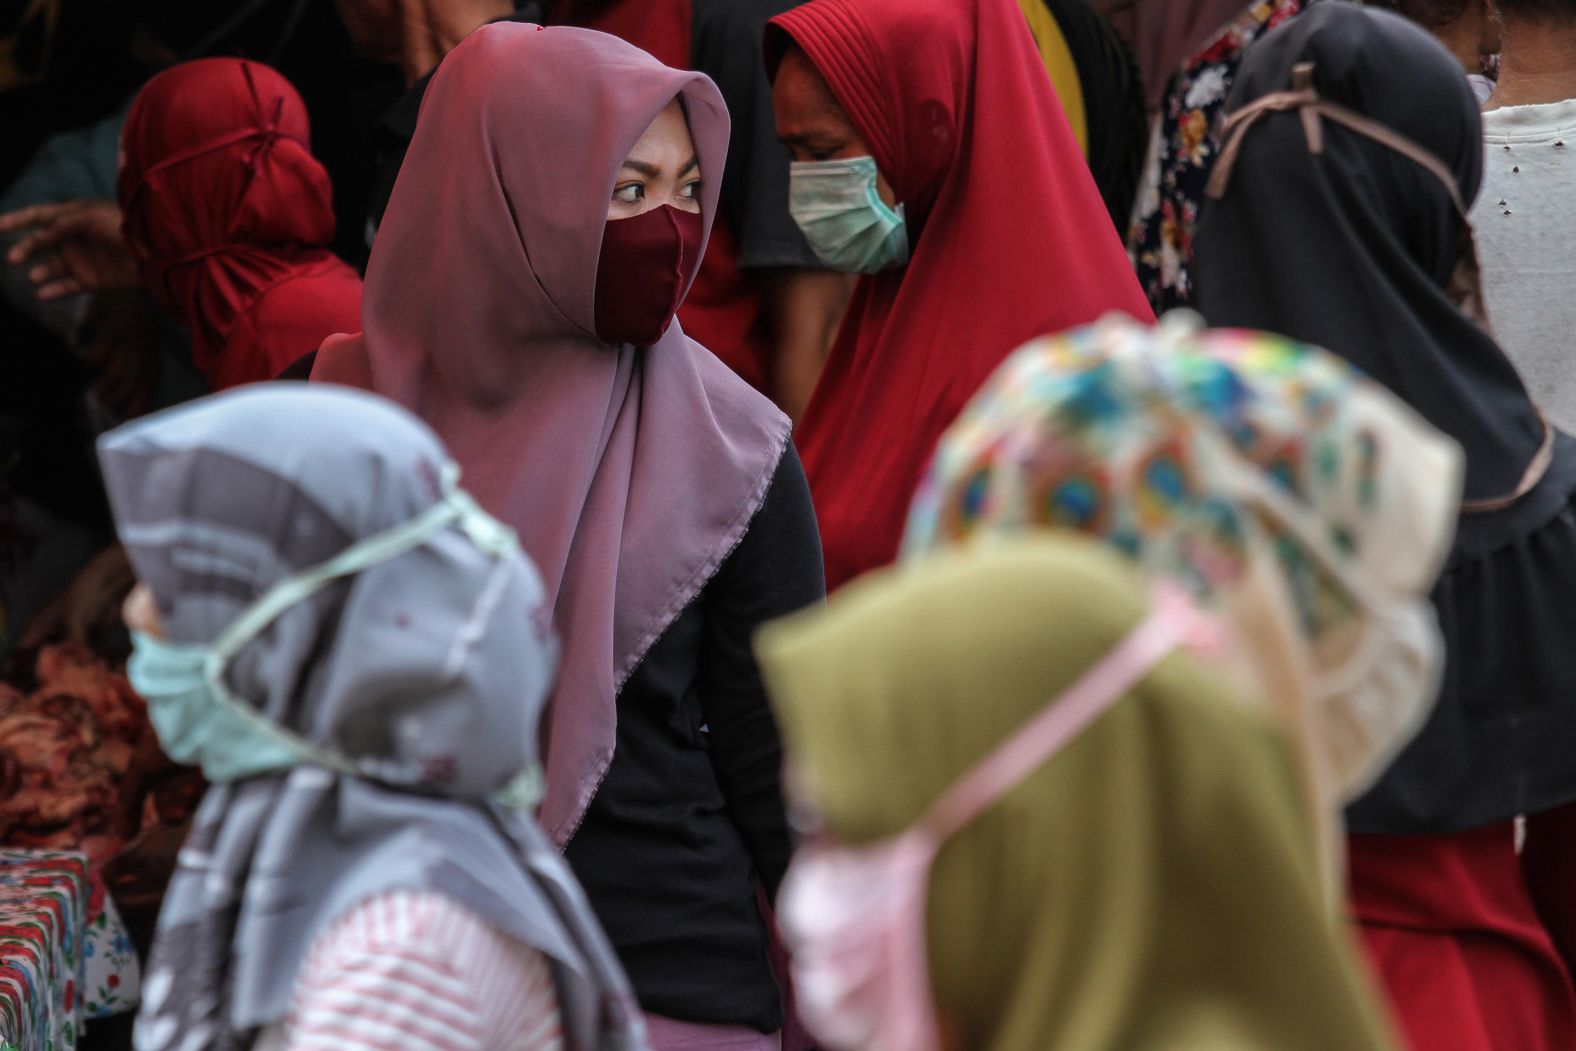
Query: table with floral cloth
[64, 954]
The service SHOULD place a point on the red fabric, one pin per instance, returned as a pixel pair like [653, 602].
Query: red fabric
[1010, 240]
[640, 275]
[1451, 928]
[1549, 860]
[660, 28]
[723, 311]
[225, 209]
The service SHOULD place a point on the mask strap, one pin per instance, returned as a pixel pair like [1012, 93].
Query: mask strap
[1529, 478]
[374, 549]
[456, 506]
[1306, 100]
[1173, 621]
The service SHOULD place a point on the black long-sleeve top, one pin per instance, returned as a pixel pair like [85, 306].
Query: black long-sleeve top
[690, 818]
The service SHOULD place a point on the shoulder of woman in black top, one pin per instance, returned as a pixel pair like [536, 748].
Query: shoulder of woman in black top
[776, 570]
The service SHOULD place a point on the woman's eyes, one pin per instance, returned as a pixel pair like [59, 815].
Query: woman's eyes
[634, 193]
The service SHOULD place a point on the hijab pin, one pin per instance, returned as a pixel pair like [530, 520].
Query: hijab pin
[1516, 170]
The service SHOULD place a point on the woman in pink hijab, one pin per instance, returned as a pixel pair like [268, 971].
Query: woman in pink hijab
[548, 220]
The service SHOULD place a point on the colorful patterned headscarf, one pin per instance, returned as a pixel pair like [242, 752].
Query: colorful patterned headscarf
[1270, 478]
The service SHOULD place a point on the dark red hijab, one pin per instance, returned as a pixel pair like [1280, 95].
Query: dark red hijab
[1010, 241]
[228, 213]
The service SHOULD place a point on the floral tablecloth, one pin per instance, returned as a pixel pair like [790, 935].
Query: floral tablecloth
[64, 953]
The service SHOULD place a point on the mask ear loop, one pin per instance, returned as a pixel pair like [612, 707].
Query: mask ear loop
[456, 506]
[1173, 621]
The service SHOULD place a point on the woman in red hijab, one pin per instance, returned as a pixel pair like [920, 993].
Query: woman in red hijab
[934, 159]
[227, 215]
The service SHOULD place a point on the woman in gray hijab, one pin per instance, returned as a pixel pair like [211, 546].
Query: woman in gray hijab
[357, 657]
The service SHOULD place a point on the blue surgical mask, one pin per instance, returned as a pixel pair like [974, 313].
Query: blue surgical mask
[200, 722]
[197, 726]
[848, 225]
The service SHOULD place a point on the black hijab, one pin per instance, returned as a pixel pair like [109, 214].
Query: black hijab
[1352, 249]
[1114, 110]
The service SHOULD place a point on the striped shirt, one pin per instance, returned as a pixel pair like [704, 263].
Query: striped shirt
[416, 972]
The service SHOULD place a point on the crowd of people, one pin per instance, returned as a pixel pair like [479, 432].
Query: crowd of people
[880, 525]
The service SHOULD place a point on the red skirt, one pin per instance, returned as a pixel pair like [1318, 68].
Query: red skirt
[1454, 928]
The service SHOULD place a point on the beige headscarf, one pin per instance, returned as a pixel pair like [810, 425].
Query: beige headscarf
[1155, 885]
[1252, 470]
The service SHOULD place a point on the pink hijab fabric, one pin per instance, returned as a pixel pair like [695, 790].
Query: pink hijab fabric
[629, 473]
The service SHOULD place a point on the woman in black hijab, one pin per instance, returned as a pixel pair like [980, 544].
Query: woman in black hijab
[1353, 151]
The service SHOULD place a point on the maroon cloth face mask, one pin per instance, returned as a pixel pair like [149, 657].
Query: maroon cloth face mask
[641, 273]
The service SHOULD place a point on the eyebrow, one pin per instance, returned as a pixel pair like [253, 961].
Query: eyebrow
[651, 171]
[811, 140]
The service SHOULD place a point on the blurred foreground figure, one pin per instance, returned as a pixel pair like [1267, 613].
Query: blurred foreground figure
[1041, 826]
[357, 658]
[1303, 503]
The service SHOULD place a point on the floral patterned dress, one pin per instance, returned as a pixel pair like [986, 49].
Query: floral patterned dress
[1182, 154]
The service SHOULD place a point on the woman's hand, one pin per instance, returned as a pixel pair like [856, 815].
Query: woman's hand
[75, 247]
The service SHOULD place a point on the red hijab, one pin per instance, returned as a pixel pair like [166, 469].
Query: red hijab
[227, 213]
[1010, 241]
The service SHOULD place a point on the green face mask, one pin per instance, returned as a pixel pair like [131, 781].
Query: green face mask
[842, 215]
[200, 727]
[201, 723]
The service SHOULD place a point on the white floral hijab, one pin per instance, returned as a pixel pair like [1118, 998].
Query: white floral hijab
[1269, 478]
